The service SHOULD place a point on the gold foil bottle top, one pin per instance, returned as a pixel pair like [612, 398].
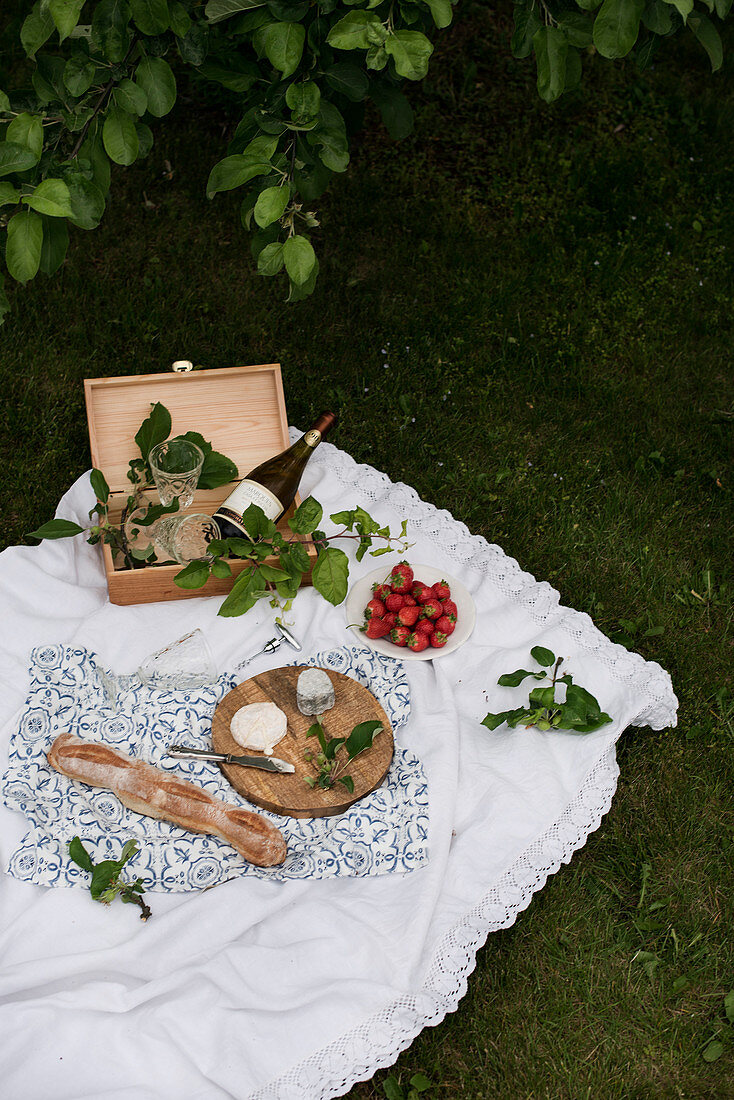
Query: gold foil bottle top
[323, 425]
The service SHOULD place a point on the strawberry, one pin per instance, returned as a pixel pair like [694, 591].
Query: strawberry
[408, 601]
[408, 616]
[445, 625]
[375, 609]
[391, 619]
[425, 626]
[438, 639]
[376, 628]
[401, 578]
[450, 609]
[399, 635]
[431, 609]
[442, 590]
[422, 592]
[379, 591]
[394, 601]
[418, 642]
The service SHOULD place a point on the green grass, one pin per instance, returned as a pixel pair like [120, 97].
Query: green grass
[554, 291]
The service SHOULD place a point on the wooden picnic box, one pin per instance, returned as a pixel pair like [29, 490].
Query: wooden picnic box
[239, 410]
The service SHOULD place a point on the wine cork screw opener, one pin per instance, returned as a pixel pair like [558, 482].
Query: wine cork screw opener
[284, 635]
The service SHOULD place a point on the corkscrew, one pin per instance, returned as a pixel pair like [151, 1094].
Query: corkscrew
[285, 635]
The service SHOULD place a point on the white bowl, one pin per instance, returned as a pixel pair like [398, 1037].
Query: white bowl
[361, 593]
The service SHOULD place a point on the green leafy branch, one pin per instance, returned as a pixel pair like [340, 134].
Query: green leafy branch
[217, 470]
[266, 545]
[332, 768]
[106, 884]
[579, 713]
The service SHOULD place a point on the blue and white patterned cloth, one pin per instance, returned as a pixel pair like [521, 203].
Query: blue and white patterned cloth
[384, 832]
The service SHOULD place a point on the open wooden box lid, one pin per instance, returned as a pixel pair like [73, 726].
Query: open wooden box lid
[239, 410]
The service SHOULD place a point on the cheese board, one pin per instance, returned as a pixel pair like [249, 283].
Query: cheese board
[290, 794]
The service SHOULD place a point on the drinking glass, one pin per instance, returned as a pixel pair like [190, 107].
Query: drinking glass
[176, 465]
[180, 538]
[183, 665]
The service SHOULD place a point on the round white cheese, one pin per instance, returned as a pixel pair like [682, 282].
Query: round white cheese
[259, 726]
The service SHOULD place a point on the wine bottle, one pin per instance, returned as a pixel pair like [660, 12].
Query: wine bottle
[273, 484]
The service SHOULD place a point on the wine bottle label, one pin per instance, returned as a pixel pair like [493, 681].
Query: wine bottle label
[247, 493]
[312, 438]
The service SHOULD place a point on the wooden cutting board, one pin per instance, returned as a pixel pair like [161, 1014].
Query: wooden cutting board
[290, 794]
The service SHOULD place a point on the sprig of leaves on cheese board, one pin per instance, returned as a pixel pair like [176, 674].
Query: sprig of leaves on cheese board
[156, 428]
[106, 883]
[331, 767]
[330, 575]
[578, 713]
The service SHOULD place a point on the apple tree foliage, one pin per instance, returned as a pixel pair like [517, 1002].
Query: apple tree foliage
[101, 72]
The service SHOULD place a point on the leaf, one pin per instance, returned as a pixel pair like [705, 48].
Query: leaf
[527, 23]
[543, 656]
[551, 48]
[100, 486]
[396, 111]
[79, 74]
[512, 679]
[15, 158]
[120, 136]
[150, 16]
[616, 27]
[87, 200]
[102, 876]
[27, 130]
[304, 99]
[9, 196]
[362, 737]
[25, 240]
[330, 574]
[55, 244]
[356, 31]
[420, 1082]
[51, 197]
[194, 575]
[80, 855]
[306, 517]
[270, 260]
[299, 258]
[65, 14]
[295, 558]
[234, 171]
[492, 721]
[348, 79]
[217, 10]
[257, 524]
[713, 1051]
[155, 77]
[56, 529]
[37, 28]
[709, 37]
[282, 44]
[729, 1006]
[180, 19]
[271, 205]
[543, 697]
[220, 569]
[131, 97]
[392, 1089]
[411, 51]
[441, 11]
[111, 34]
[348, 782]
[683, 7]
[155, 429]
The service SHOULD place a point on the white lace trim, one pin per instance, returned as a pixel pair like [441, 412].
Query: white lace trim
[377, 1042]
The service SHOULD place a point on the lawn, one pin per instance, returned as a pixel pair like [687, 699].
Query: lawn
[526, 313]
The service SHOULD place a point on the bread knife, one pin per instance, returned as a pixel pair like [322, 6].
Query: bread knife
[265, 763]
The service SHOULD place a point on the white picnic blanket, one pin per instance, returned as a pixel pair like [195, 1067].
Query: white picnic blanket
[293, 990]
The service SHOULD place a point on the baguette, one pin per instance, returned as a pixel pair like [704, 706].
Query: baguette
[154, 793]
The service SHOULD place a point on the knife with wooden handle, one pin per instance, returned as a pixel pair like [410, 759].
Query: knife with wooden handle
[265, 763]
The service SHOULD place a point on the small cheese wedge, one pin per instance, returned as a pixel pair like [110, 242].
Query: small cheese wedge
[259, 726]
